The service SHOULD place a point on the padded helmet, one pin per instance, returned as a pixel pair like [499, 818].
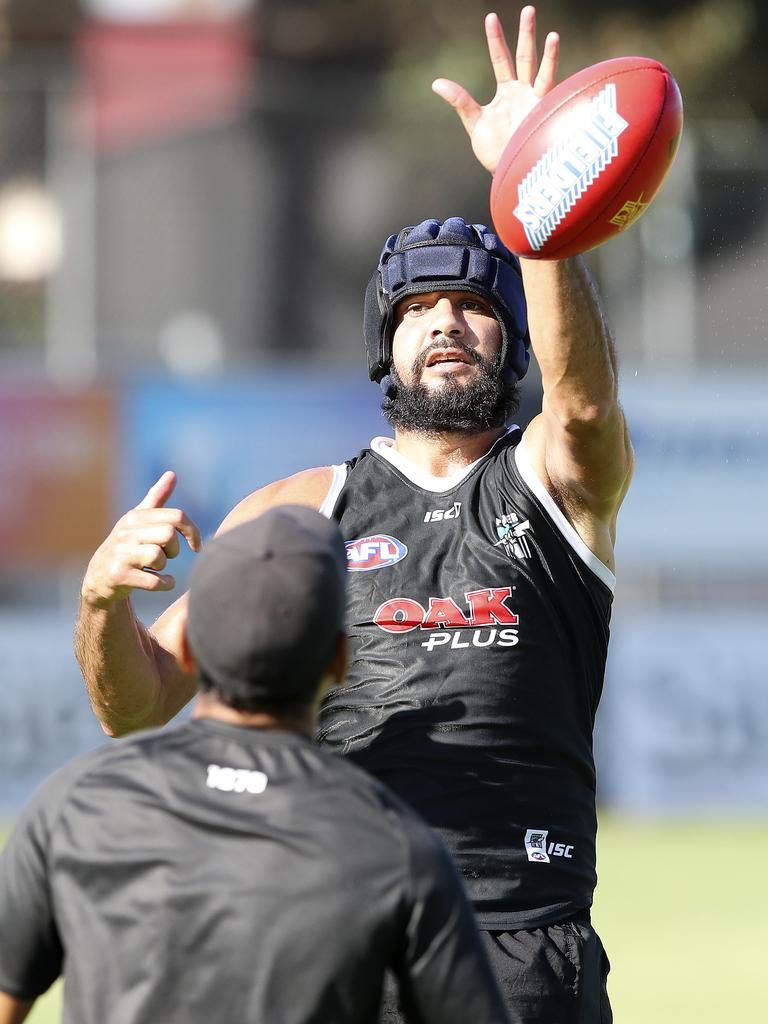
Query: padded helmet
[448, 256]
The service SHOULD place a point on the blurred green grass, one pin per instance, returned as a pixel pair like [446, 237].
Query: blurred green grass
[682, 908]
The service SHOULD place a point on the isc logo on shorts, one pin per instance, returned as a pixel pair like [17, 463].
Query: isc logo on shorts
[375, 552]
[235, 780]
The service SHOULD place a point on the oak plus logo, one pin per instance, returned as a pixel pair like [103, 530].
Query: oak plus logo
[540, 850]
[488, 621]
[235, 780]
[376, 552]
[439, 515]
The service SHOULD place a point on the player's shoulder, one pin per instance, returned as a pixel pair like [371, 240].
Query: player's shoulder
[43, 811]
[117, 763]
[309, 487]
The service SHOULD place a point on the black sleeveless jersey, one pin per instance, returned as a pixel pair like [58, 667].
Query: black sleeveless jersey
[478, 622]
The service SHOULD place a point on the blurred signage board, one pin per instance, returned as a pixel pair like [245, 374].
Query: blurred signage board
[56, 473]
[684, 721]
[227, 436]
[45, 718]
[144, 78]
[701, 440]
[700, 490]
[148, 11]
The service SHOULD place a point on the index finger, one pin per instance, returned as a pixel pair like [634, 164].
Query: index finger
[159, 492]
[501, 58]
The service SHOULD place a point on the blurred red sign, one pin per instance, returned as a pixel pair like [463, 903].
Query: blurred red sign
[143, 82]
[56, 474]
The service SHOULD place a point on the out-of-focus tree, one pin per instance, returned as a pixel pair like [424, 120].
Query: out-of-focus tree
[715, 49]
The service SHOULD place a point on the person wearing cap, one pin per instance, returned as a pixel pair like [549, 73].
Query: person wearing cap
[227, 869]
[481, 563]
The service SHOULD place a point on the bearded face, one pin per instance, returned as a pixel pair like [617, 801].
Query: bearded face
[447, 366]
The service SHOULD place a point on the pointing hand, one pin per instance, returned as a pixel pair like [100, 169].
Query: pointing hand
[138, 548]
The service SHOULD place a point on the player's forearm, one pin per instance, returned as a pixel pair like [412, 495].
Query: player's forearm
[119, 663]
[572, 342]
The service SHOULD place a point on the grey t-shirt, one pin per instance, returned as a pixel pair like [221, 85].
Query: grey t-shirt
[209, 872]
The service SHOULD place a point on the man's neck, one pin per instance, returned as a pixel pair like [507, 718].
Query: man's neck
[302, 720]
[445, 454]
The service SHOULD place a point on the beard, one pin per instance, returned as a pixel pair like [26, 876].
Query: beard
[453, 407]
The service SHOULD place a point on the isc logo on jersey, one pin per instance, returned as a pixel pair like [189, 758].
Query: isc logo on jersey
[487, 622]
[375, 552]
[540, 851]
[439, 515]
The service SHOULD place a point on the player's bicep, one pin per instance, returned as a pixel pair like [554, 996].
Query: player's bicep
[309, 487]
[585, 466]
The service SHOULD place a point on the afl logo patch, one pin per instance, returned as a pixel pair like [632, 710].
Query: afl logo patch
[375, 552]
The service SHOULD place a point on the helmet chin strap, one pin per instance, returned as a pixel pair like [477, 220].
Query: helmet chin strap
[388, 386]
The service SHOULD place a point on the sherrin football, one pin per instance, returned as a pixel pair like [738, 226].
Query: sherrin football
[588, 159]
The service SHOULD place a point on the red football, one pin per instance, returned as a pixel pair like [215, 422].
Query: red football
[588, 159]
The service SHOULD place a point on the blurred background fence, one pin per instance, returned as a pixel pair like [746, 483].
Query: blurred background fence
[192, 197]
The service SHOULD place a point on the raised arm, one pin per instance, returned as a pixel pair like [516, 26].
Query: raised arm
[133, 674]
[579, 446]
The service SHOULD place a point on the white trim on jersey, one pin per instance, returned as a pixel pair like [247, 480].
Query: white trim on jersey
[329, 501]
[385, 447]
[528, 473]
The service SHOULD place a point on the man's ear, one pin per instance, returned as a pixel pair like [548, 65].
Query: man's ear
[186, 657]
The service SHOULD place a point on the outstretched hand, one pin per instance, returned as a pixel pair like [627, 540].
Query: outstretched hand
[138, 548]
[520, 84]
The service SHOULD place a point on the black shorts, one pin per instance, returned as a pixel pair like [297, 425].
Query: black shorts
[550, 975]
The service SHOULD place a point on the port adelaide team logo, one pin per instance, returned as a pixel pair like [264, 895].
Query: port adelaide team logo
[512, 532]
[376, 552]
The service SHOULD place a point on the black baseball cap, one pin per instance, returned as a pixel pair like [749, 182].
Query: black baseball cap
[266, 607]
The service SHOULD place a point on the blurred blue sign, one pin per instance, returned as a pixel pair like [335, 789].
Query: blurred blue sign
[228, 436]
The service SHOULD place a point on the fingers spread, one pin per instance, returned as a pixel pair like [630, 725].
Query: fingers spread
[465, 105]
[159, 492]
[525, 55]
[547, 76]
[501, 58]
